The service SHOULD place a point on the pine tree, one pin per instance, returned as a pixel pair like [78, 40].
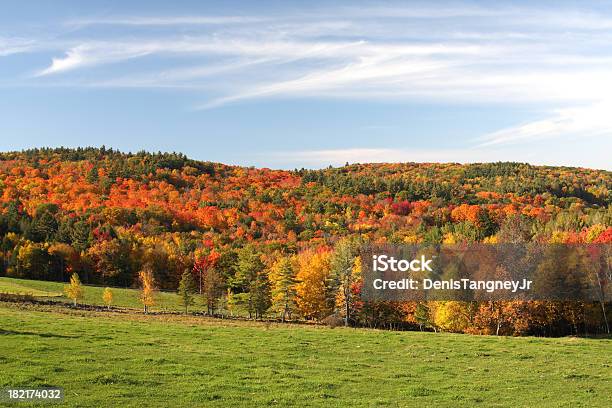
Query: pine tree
[251, 277]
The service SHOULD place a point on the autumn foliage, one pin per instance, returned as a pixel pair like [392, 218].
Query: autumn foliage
[269, 240]
[107, 297]
[147, 295]
[74, 290]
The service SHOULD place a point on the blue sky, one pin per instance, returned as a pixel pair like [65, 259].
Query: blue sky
[308, 84]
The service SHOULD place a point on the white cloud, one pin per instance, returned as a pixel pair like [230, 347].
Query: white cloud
[91, 54]
[72, 60]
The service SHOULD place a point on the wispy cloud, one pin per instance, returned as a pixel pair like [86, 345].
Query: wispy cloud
[165, 21]
[583, 122]
[316, 18]
[558, 59]
[87, 54]
[10, 46]
[388, 74]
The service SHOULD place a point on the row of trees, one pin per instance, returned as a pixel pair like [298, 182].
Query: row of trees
[75, 291]
[313, 283]
[325, 284]
[289, 297]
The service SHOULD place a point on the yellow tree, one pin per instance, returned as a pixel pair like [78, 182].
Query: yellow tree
[451, 316]
[74, 290]
[147, 296]
[107, 296]
[311, 291]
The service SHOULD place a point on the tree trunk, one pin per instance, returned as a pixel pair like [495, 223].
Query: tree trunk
[347, 307]
[347, 297]
[603, 310]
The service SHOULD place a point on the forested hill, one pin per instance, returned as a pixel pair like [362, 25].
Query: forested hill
[104, 213]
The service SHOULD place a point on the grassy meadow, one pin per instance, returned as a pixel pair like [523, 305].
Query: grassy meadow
[128, 359]
[125, 298]
[37, 289]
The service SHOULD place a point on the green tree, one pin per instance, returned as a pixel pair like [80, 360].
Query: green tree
[186, 289]
[282, 279]
[81, 235]
[33, 261]
[252, 279]
[212, 290]
[44, 225]
[422, 315]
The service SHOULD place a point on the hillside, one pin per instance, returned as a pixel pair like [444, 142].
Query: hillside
[106, 215]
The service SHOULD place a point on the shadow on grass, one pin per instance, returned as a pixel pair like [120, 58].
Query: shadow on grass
[27, 333]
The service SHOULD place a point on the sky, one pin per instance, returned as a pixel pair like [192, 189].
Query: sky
[311, 84]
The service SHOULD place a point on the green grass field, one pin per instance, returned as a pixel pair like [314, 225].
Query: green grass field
[128, 359]
[128, 298]
[25, 287]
